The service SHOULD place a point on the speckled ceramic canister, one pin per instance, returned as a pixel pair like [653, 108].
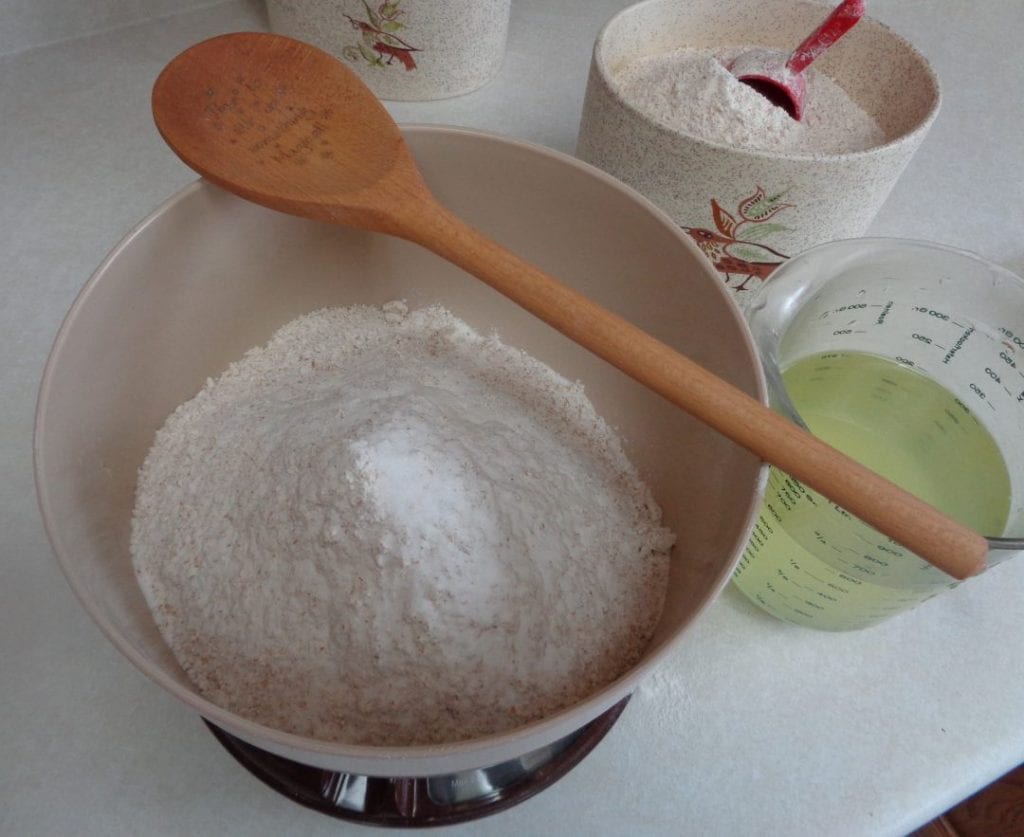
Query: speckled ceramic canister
[406, 50]
[751, 210]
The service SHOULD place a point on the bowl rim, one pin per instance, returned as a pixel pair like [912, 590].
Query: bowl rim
[441, 757]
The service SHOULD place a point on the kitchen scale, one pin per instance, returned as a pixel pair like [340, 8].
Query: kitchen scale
[413, 802]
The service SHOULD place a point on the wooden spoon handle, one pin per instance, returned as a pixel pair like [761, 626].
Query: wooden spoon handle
[946, 544]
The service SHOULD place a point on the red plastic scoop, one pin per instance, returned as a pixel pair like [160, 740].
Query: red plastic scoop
[778, 77]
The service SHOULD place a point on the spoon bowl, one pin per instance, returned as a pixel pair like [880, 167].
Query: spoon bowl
[779, 77]
[234, 109]
[284, 139]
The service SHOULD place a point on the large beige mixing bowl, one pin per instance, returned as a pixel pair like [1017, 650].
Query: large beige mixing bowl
[208, 276]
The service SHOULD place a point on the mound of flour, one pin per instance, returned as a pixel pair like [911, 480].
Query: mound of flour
[690, 90]
[383, 528]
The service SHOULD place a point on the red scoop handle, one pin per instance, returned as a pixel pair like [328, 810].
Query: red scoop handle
[837, 24]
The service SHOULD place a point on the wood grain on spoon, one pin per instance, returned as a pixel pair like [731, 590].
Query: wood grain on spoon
[285, 125]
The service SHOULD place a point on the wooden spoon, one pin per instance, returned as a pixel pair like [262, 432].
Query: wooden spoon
[285, 125]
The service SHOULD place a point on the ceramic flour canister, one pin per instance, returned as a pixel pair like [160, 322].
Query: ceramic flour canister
[750, 209]
[404, 49]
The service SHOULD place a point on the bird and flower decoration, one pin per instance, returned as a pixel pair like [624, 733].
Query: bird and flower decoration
[736, 246]
[379, 43]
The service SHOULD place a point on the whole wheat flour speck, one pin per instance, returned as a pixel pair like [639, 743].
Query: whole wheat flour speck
[383, 528]
[690, 90]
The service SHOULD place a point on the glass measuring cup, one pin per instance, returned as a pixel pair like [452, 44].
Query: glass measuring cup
[909, 357]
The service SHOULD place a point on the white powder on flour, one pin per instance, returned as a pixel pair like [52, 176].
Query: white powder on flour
[690, 90]
[384, 528]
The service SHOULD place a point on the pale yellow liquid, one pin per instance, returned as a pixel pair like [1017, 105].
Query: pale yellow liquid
[809, 563]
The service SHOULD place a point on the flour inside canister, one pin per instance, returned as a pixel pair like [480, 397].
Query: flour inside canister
[383, 528]
[690, 90]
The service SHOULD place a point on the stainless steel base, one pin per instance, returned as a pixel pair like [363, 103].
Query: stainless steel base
[411, 802]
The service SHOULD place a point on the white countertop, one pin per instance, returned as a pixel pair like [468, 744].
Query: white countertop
[752, 727]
